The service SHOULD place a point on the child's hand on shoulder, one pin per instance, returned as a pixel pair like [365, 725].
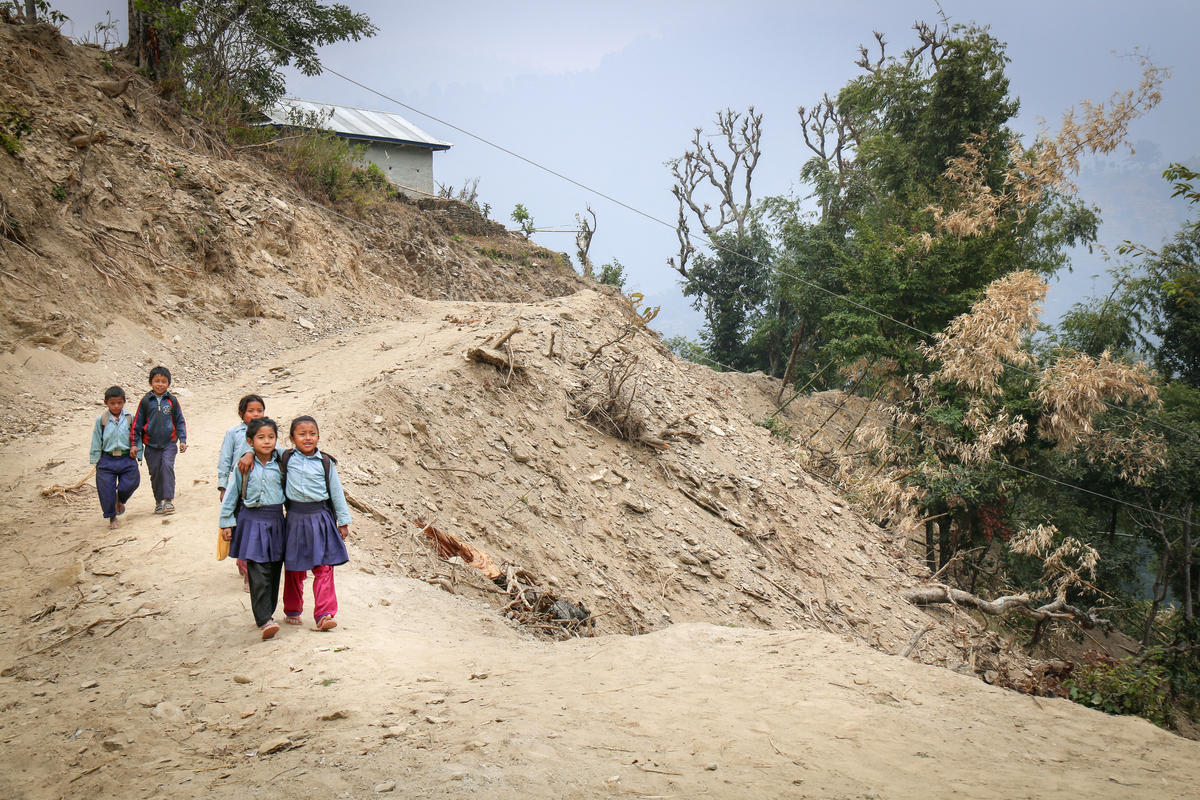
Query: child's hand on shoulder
[344, 530]
[244, 463]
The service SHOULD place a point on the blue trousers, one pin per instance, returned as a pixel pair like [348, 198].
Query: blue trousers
[116, 479]
[160, 463]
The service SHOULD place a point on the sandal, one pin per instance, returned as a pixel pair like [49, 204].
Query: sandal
[293, 620]
[327, 622]
[269, 629]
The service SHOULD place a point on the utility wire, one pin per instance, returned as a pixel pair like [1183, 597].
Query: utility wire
[660, 221]
[728, 368]
[945, 443]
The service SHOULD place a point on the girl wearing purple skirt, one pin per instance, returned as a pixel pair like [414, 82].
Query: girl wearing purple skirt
[318, 520]
[254, 504]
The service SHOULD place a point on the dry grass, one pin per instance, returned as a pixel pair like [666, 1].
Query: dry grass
[1067, 563]
[1097, 129]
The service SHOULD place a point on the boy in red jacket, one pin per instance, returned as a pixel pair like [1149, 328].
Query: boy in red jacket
[159, 429]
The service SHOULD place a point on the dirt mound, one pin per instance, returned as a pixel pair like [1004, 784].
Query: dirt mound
[703, 517]
[155, 219]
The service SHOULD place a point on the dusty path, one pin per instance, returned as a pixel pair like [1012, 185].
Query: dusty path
[425, 694]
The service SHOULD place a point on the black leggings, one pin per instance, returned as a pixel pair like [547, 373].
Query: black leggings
[264, 588]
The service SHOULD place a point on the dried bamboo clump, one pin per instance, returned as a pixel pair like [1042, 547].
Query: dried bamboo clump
[976, 346]
[1068, 565]
[1075, 389]
[1100, 128]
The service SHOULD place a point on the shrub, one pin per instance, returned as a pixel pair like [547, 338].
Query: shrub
[1133, 686]
[13, 125]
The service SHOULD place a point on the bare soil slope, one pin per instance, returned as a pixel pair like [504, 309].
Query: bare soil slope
[131, 667]
[770, 610]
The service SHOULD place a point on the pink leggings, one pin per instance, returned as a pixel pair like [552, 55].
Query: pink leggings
[324, 595]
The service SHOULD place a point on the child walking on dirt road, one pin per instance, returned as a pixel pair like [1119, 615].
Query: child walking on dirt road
[233, 447]
[160, 431]
[252, 521]
[318, 520]
[115, 456]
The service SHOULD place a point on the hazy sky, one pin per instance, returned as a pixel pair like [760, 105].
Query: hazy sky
[607, 92]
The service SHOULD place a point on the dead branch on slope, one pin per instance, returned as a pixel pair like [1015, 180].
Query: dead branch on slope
[609, 399]
[529, 604]
[62, 491]
[1058, 609]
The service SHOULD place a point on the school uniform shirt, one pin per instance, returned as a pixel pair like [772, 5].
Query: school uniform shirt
[306, 484]
[159, 421]
[233, 447]
[264, 487]
[112, 435]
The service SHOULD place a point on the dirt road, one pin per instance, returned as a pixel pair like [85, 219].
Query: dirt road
[132, 669]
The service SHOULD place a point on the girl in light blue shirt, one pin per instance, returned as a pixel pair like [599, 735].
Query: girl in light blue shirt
[234, 446]
[318, 521]
[252, 522]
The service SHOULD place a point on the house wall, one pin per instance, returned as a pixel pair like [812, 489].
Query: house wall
[404, 165]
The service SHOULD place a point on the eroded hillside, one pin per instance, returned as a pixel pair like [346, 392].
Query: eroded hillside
[587, 462]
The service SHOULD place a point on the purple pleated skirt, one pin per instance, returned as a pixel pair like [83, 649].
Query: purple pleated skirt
[312, 538]
[259, 534]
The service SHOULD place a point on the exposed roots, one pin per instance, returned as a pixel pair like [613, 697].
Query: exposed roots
[609, 398]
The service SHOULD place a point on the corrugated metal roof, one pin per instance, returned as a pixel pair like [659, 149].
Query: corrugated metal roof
[358, 123]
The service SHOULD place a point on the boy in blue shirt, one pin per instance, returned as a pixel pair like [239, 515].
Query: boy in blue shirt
[115, 455]
[159, 428]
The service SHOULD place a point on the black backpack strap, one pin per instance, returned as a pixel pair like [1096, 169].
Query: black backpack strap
[284, 458]
[327, 462]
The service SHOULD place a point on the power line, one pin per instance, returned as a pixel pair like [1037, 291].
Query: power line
[936, 440]
[729, 368]
[651, 217]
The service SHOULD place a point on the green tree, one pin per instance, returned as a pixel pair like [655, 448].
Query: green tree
[613, 274]
[524, 220]
[226, 56]
[882, 151]
[729, 287]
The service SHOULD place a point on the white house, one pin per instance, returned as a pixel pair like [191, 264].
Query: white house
[402, 150]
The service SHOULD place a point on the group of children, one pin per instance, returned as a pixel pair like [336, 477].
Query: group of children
[281, 510]
[120, 440]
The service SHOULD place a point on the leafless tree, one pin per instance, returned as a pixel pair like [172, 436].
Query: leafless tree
[583, 241]
[702, 166]
[932, 37]
[827, 132]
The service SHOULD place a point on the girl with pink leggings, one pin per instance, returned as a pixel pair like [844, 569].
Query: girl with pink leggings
[318, 521]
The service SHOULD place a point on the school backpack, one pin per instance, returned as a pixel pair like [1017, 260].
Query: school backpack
[103, 420]
[327, 462]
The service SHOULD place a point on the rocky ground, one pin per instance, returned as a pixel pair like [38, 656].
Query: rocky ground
[745, 632]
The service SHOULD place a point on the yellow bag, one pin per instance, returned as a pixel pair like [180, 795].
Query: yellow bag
[222, 547]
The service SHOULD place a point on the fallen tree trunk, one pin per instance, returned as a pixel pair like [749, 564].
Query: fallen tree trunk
[935, 594]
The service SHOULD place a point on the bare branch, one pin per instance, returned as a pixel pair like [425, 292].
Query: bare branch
[702, 165]
[933, 38]
[583, 242]
[1058, 609]
[864, 55]
[826, 132]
